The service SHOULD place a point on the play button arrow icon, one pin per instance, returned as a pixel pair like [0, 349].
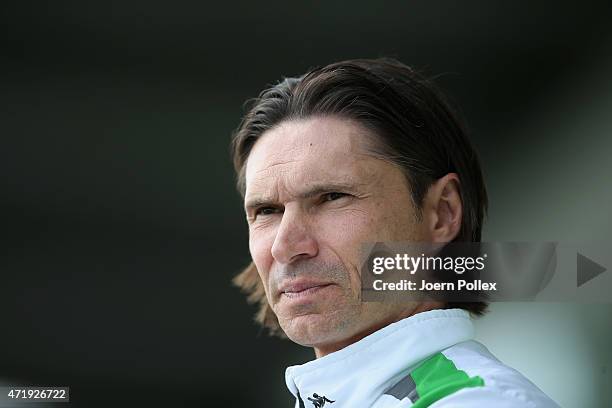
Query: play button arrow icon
[586, 269]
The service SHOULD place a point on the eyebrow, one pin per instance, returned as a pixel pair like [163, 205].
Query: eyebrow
[313, 191]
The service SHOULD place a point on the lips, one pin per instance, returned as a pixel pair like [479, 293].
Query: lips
[300, 288]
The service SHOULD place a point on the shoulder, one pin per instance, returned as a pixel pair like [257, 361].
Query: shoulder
[488, 381]
[464, 375]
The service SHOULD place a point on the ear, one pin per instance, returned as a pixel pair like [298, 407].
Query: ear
[442, 209]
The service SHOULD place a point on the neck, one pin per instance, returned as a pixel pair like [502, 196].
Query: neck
[328, 348]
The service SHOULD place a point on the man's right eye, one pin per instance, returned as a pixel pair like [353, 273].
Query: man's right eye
[265, 211]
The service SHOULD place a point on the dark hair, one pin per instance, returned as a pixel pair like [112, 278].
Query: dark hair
[416, 128]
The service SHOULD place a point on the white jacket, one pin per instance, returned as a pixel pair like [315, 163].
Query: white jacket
[426, 360]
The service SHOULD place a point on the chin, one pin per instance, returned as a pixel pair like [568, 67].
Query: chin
[311, 330]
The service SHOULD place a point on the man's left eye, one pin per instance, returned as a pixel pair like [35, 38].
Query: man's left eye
[333, 196]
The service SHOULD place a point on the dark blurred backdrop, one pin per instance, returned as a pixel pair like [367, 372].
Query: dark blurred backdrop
[121, 226]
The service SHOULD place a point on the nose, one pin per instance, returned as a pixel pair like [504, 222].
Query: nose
[294, 239]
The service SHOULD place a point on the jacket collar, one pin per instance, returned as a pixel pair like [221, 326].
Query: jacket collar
[359, 373]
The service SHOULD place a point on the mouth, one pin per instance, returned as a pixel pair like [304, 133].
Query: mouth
[302, 289]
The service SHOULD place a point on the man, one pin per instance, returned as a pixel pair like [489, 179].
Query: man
[364, 151]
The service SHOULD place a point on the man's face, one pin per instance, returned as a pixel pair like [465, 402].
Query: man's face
[313, 196]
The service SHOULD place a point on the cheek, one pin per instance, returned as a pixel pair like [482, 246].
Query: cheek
[260, 247]
[344, 233]
[342, 228]
[356, 226]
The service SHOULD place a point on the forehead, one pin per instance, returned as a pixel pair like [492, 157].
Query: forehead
[308, 151]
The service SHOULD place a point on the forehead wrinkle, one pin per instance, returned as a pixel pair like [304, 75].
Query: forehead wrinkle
[273, 165]
[338, 134]
[305, 152]
[278, 182]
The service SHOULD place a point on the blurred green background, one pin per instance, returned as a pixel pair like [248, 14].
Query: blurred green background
[122, 229]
